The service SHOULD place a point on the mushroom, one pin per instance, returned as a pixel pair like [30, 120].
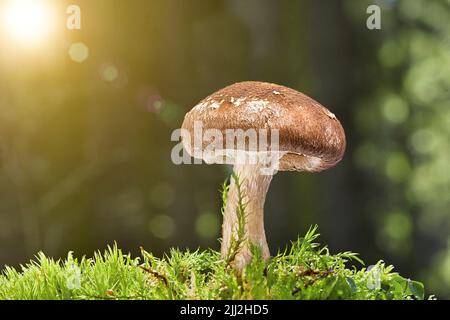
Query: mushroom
[309, 138]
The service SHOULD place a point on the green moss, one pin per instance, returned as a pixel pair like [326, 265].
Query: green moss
[304, 271]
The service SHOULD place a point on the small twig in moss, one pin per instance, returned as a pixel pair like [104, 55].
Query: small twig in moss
[155, 274]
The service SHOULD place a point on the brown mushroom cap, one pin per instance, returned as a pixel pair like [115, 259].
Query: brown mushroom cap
[310, 136]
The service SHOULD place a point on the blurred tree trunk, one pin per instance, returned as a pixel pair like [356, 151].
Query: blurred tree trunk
[334, 63]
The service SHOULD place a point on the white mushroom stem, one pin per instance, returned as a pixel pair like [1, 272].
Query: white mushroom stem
[254, 187]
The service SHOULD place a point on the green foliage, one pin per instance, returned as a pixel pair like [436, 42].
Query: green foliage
[306, 270]
[238, 239]
[403, 124]
[224, 193]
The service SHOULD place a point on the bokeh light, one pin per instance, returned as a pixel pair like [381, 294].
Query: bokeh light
[396, 231]
[162, 226]
[395, 109]
[79, 52]
[423, 140]
[162, 195]
[109, 73]
[397, 167]
[27, 22]
[207, 225]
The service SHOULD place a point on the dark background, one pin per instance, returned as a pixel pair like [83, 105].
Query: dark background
[85, 147]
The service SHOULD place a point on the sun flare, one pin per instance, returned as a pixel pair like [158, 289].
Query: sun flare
[27, 22]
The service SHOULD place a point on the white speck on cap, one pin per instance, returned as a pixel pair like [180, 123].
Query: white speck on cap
[257, 105]
[238, 102]
[330, 114]
[201, 106]
[326, 111]
[214, 105]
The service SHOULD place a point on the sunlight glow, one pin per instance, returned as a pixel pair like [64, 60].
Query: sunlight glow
[27, 22]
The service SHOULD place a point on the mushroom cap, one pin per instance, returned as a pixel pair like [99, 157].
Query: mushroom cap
[311, 138]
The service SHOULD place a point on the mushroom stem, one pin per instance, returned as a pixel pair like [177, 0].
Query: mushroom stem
[254, 187]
